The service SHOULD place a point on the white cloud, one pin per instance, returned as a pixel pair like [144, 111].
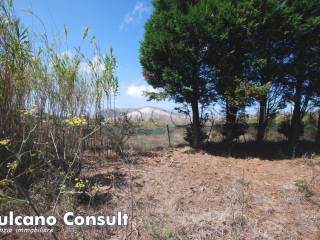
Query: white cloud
[97, 65]
[137, 91]
[139, 10]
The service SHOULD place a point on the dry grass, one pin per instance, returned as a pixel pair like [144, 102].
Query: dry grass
[189, 195]
[144, 143]
[182, 194]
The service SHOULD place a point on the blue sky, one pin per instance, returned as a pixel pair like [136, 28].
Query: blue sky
[115, 23]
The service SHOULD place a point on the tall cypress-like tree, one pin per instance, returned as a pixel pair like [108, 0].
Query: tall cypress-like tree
[242, 51]
[267, 38]
[303, 57]
[230, 56]
[314, 73]
[172, 55]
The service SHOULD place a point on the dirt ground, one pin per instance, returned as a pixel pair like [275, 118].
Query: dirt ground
[181, 194]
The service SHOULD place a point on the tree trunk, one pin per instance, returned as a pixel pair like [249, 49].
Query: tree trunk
[231, 119]
[318, 128]
[296, 116]
[262, 120]
[195, 124]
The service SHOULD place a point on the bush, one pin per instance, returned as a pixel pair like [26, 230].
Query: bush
[118, 132]
[189, 134]
[304, 188]
[234, 131]
[285, 128]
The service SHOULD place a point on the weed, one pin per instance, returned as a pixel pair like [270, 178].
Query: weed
[304, 188]
[159, 231]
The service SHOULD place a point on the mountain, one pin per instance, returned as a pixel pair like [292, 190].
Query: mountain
[153, 114]
[150, 112]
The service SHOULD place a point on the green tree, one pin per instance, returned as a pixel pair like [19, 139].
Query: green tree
[303, 58]
[173, 52]
[230, 61]
[316, 105]
[266, 36]
[318, 128]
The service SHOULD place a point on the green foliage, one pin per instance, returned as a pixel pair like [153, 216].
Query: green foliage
[304, 188]
[119, 130]
[85, 33]
[172, 51]
[303, 58]
[15, 59]
[189, 134]
[285, 128]
[44, 97]
[233, 131]
[173, 54]
[241, 52]
[159, 230]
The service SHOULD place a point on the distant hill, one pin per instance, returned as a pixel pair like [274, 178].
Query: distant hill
[150, 112]
[147, 113]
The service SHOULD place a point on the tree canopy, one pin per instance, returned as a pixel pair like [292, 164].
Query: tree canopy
[239, 53]
[173, 54]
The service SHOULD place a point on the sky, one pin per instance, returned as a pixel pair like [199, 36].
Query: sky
[115, 23]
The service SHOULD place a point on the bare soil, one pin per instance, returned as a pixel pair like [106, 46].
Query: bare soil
[182, 194]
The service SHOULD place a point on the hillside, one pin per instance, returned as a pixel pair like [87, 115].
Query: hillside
[149, 114]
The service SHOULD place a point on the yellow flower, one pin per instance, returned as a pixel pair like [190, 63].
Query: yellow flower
[4, 142]
[12, 165]
[5, 183]
[76, 121]
[96, 187]
[30, 112]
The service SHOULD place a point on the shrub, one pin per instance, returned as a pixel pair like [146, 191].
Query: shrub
[189, 134]
[304, 188]
[118, 132]
[234, 131]
[285, 128]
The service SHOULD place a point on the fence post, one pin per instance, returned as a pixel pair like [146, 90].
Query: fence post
[168, 131]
